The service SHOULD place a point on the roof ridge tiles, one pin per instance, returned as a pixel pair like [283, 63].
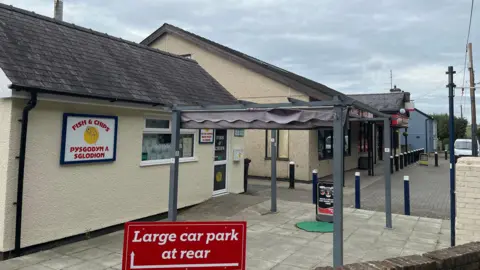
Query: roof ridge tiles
[90, 31]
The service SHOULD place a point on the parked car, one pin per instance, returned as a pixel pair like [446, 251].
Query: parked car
[463, 148]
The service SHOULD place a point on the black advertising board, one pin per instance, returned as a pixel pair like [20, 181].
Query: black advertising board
[324, 207]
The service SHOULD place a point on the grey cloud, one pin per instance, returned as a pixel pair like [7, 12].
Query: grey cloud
[350, 45]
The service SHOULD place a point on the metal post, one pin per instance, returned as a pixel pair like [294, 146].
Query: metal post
[357, 190]
[273, 207]
[400, 159]
[338, 160]
[292, 175]
[388, 183]
[406, 194]
[369, 151]
[436, 159]
[396, 163]
[391, 164]
[175, 154]
[314, 186]
[451, 130]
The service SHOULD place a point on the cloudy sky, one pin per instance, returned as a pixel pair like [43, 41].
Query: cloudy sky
[349, 45]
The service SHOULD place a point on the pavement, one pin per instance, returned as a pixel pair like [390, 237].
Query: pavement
[273, 240]
[429, 190]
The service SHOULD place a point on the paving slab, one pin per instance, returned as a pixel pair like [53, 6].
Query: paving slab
[273, 240]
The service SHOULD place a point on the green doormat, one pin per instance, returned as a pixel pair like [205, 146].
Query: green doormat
[315, 226]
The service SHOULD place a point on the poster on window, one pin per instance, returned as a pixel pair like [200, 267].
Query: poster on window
[88, 138]
[206, 135]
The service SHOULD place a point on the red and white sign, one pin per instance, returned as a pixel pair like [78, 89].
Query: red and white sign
[88, 138]
[399, 120]
[185, 245]
[206, 135]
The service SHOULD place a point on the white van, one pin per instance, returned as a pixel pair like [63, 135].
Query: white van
[463, 148]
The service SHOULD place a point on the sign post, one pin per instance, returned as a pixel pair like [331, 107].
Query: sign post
[324, 205]
[185, 245]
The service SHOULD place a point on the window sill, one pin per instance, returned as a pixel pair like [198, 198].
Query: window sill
[147, 163]
[278, 159]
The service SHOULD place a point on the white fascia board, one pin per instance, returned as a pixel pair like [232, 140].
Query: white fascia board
[5, 91]
[90, 101]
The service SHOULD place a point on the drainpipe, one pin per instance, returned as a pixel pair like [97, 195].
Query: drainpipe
[21, 169]
[426, 135]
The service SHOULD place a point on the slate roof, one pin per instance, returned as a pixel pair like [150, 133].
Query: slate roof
[424, 114]
[308, 87]
[38, 52]
[384, 102]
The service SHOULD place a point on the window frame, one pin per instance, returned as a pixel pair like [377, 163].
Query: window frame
[347, 132]
[167, 131]
[267, 142]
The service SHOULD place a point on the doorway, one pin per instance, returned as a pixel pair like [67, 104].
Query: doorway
[220, 162]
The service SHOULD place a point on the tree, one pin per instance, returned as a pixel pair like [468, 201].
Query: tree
[443, 129]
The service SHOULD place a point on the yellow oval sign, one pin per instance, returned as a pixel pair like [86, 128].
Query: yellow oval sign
[91, 135]
[218, 177]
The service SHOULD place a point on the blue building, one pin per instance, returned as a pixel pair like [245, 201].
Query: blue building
[422, 132]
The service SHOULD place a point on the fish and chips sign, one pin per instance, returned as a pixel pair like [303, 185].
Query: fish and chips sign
[88, 138]
[185, 245]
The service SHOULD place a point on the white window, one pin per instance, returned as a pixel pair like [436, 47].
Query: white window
[156, 142]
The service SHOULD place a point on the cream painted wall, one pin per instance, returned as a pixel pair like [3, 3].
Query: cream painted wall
[248, 85]
[7, 162]
[61, 201]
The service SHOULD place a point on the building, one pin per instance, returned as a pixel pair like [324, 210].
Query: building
[422, 132]
[396, 103]
[251, 79]
[85, 131]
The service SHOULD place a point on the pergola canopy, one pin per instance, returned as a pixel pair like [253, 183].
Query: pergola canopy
[261, 119]
[295, 114]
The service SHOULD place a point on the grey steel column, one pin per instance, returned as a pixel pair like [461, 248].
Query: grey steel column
[175, 154]
[273, 149]
[387, 172]
[338, 174]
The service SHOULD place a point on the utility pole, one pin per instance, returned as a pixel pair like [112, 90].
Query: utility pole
[451, 94]
[461, 111]
[472, 101]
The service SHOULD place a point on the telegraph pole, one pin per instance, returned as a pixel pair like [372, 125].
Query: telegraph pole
[451, 94]
[472, 101]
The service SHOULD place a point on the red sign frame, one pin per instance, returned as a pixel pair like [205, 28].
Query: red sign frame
[200, 245]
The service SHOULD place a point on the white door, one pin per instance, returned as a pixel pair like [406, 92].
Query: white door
[220, 162]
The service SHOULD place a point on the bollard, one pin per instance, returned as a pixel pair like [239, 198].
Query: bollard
[391, 164]
[406, 191]
[314, 188]
[400, 159]
[357, 190]
[436, 159]
[292, 175]
[408, 158]
[446, 155]
[396, 163]
[405, 159]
